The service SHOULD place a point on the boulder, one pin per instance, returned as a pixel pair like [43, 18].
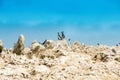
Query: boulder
[19, 46]
[49, 44]
[62, 44]
[36, 47]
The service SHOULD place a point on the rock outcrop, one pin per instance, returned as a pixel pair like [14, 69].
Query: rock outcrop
[62, 44]
[36, 47]
[19, 46]
[49, 44]
[58, 60]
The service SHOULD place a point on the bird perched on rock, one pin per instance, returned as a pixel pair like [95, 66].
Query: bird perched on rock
[59, 37]
[49, 44]
[63, 35]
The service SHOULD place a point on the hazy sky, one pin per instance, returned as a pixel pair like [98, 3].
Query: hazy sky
[88, 21]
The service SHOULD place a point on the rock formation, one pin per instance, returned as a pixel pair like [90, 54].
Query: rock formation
[49, 44]
[58, 60]
[36, 47]
[19, 46]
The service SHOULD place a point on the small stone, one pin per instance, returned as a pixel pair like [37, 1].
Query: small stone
[117, 59]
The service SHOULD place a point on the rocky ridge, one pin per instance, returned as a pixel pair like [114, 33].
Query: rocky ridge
[59, 60]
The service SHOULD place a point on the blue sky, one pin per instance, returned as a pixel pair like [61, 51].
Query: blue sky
[88, 21]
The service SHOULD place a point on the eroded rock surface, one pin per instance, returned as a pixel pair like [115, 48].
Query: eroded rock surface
[19, 46]
[58, 60]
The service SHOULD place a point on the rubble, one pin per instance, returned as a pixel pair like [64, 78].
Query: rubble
[35, 47]
[101, 57]
[58, 60]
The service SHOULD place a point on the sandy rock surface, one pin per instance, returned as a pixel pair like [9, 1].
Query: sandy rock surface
[58, 60]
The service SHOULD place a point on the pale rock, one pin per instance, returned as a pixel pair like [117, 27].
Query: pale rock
[28, 53]
[42, 68]
[61, 61]
[77, 47]
[62, 44]
[49, 44]
[36, 47]
[19, 46]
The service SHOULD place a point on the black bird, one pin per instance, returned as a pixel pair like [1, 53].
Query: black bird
[63, 35]
[44, 42]
[59, 37]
